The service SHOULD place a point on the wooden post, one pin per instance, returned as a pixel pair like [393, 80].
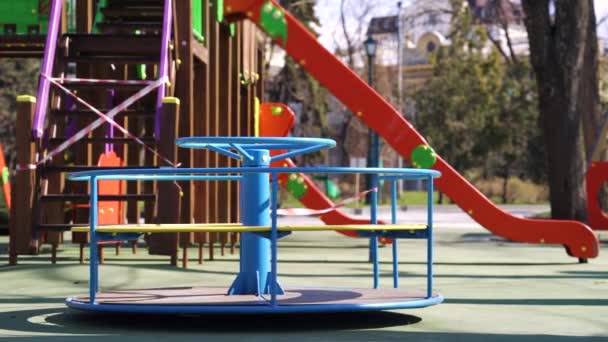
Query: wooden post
[184, 90]
[21, 241]
[168, 202]
[201, 157]
[202, 103]
[84, 24]
[224, 122]
[84, 16]
[237, 67]
[214, 116]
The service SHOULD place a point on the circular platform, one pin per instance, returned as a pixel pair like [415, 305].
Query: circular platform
[208, 300]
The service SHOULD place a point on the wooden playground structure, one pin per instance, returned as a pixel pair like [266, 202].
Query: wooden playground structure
[155, 70]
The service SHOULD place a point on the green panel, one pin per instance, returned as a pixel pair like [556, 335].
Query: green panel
[22, 17]
[219, 10]
[198, 20]
[99, 15]
[71, 14]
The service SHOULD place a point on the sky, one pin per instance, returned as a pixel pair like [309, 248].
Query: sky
[328, 12]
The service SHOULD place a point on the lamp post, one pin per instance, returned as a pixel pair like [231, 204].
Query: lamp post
[373, 141]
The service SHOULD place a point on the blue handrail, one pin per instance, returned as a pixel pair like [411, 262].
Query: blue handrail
[193, 173]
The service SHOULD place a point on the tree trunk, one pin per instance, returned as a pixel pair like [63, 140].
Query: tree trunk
[560, 51]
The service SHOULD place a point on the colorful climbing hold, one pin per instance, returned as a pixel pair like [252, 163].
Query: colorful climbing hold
[423, 157]
[296, 185]
[5, 175]
[277, 110]
[273, 21]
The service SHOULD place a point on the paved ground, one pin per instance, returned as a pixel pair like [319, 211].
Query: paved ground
[494, 290]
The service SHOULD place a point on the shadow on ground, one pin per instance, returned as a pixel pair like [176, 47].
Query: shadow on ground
[67, 325]
[64, 320]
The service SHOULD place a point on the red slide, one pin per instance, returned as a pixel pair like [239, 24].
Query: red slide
[276, 120]
[578, 239]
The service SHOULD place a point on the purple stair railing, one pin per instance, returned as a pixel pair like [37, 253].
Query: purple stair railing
[47, 68]
[164, 61]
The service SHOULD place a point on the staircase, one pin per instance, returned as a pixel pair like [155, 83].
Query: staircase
[123, 55]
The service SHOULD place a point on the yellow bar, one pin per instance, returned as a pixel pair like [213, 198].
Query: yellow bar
[256, 117]
[171, 100]
[26, 98]
[237, 228]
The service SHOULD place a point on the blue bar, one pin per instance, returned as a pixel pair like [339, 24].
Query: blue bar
[224, 152]
[273, 241]
[242, 151]
[183, 174]
[173, 178]
[395, 241]
[374, 220]
[262, 143]
[429, 248]
[93, 267]
[298, 152]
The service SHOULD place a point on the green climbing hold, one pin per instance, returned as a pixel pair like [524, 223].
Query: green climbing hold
[277, 110]
[423, 157]
[5, 175]
[333, 190]
[296, 185]
[273, 21]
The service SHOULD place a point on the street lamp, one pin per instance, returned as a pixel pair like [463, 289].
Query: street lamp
[373, 147]
[371, 45]
[373, 142]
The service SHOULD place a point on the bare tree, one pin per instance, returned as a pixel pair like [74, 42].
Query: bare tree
[354, 19]
[563, 52]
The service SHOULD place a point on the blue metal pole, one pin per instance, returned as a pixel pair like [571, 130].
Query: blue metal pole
[93, 263]
[429, 256]
[273, 240]
[395, 241]
[374, 220]
[255, 249]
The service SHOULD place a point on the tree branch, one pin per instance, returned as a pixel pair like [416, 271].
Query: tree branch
[504, 21]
